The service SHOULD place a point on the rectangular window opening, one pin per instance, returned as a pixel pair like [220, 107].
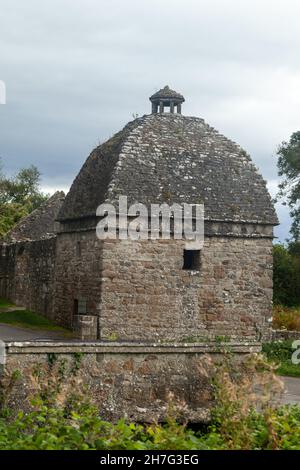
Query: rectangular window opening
[191, 260]
[80, 306]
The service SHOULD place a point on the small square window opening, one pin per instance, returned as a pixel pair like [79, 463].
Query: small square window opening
[192, 260]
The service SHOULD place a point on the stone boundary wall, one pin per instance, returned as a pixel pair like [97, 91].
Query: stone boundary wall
[278, 335]
[27, 274]
[132, 380]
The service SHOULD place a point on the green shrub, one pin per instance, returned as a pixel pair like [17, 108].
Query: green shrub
[281, 353]
[52, 428]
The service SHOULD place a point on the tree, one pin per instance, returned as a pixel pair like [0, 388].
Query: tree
[289, 168]
[19, 196]
[10, 214]
[286, 274]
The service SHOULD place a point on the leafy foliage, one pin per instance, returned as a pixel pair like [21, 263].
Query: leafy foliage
[286, 274]
[19, 196]
[281, 353]
[50, 428]
[279, 350]
[289, 168]
[10, 214]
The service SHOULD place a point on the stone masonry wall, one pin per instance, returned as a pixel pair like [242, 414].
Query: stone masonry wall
[77, 275]
[147, 295]
[124, 380]
[139, 290]
[27, 274]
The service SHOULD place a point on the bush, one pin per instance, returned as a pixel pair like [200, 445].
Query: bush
[281, 353]
[52, 427]
[278, 351]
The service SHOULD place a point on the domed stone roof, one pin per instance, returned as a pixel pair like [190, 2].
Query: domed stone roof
[166, 92]
[172, 158]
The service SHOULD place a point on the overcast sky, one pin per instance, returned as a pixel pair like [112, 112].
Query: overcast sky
[77, 70]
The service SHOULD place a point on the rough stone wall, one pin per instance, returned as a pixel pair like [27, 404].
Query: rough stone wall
[27, 274]
[283, 335]
[147, 295]
[123, 380]
[77, 275]
[139, 290]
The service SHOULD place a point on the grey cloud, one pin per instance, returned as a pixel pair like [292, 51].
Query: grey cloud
[77, 70]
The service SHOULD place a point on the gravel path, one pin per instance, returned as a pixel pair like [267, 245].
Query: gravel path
[292, 390]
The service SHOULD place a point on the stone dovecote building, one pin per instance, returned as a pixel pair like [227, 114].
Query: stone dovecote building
[146, 290]
[151, 309]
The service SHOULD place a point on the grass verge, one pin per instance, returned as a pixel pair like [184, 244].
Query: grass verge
[28, 319]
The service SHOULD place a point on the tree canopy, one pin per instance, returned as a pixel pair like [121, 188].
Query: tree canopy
[19, 195]
[286, 274]
[289, 168]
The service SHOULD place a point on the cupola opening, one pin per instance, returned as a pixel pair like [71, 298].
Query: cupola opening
[166, 99]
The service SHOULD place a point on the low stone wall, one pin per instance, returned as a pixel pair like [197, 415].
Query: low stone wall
[126, 379]
[278, 335]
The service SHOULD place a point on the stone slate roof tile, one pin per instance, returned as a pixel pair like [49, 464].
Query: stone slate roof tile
[172, 158]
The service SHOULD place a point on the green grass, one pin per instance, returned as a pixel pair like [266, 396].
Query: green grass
[281, 352]
[291, 370]
[27, 319]
[5, 303]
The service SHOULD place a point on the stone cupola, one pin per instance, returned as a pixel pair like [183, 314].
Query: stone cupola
[166, 98]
